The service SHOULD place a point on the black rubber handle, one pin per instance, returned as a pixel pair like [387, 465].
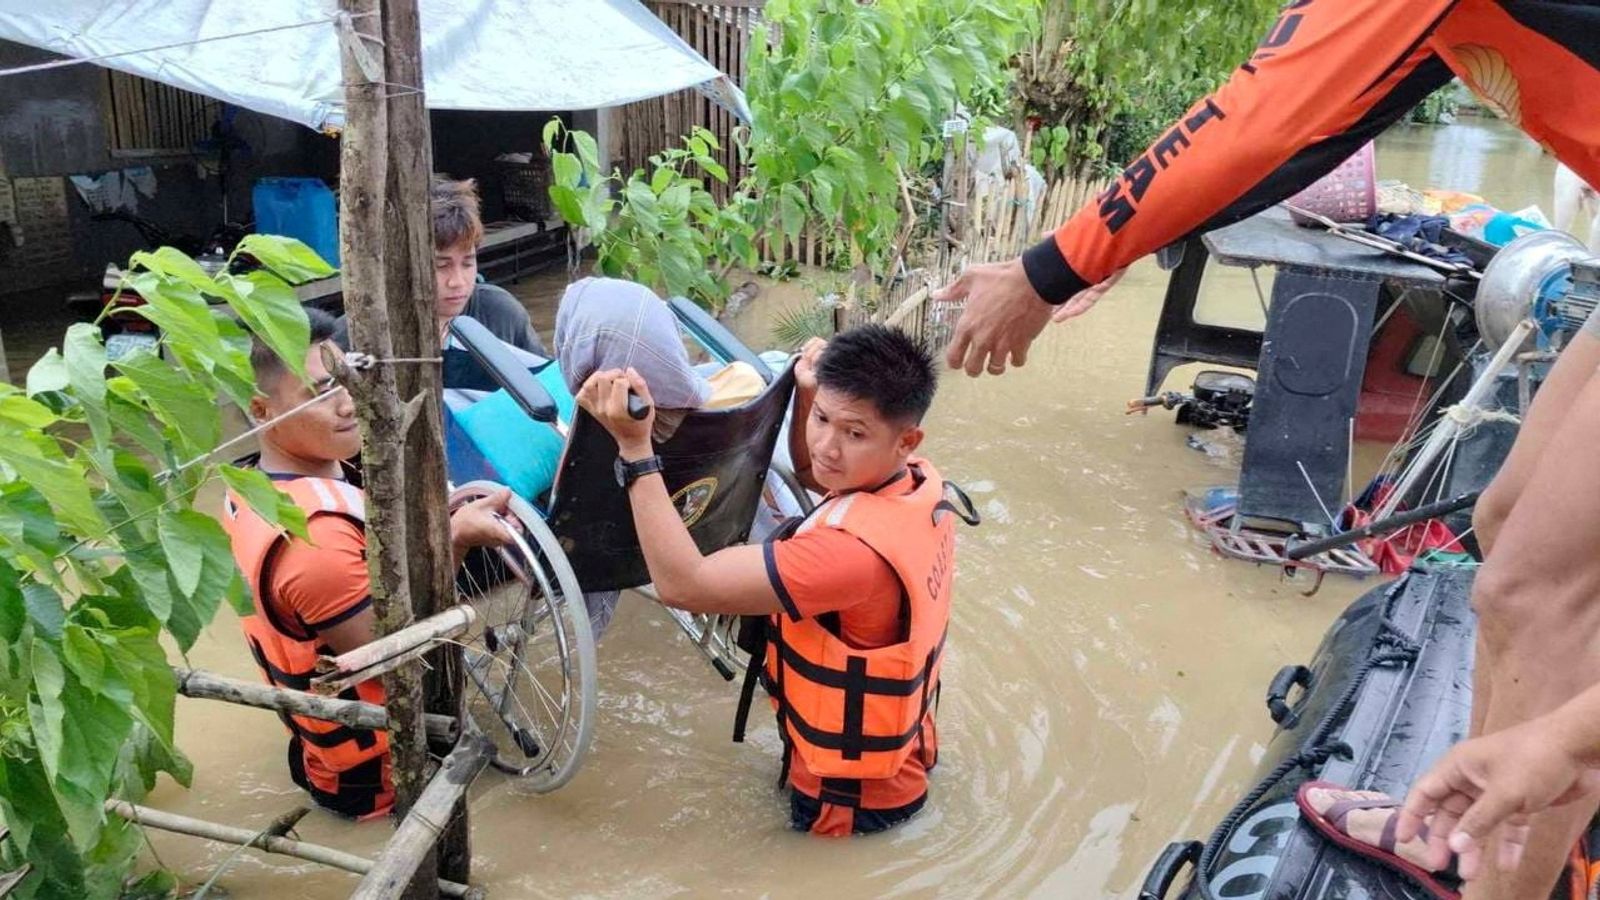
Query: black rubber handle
[1382, 526]
[722, 669]
[637, 408]
[1285, 681]
[1171, 861]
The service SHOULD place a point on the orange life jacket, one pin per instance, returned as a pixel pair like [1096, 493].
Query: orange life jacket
[345, 769]
[853, 713]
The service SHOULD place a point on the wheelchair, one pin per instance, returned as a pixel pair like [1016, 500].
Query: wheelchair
[530, 658]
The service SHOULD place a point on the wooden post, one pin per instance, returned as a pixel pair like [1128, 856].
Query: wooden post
[363, 193]
[415, 328]
[427, 821]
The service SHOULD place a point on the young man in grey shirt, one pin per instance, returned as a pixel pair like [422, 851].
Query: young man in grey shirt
[457, 231]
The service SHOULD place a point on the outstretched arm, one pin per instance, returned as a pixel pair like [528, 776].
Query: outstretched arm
[1328, 77]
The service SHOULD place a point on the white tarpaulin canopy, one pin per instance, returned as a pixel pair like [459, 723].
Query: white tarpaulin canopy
[281, 57]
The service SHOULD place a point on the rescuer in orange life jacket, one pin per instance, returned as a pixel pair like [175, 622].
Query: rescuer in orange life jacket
[855, 599]
[313, 597]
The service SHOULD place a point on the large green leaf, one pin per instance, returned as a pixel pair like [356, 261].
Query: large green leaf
[271, 504]
[148, 567]
[588, 150]
[39, 463]
[184, 548]
[79, 737]
[85, 355]
[166, 264]
[792, 210]
[24, 412]
[181, 403]
[239, 597]
[136, 655]
[13, 612]
[289, 259]
[193, 610]
[273, 313]
[132, 420]
[29, 527]
[48, 374]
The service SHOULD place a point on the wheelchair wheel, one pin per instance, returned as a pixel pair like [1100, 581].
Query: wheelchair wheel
[530, 658]
[716, 635]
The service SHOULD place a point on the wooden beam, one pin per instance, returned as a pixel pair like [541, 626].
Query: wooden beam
[263, 840]
[202, 685]
[428, 818]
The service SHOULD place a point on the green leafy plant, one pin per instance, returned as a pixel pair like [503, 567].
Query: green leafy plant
[662, 228]
[102, 551]
[847, 98]
[1439, 107]
[1115, 72]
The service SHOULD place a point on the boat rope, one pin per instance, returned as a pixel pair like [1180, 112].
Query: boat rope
[1317, 748]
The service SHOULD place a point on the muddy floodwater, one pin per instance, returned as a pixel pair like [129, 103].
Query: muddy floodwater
[1103, 692]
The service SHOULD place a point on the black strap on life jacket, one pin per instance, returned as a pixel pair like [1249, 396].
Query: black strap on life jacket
[853, 741]
[966, 512]
[753, 640]
[364, 738]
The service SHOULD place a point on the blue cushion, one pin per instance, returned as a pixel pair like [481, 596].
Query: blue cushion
[525, 453]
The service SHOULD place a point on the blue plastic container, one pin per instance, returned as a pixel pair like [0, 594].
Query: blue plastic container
[301, 208]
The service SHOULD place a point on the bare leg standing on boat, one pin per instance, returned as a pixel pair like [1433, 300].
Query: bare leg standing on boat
[1576, 367]
[1539, 624]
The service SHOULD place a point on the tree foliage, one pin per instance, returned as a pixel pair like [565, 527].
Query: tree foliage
[102, 551]
[1113, 73]
[846, 98]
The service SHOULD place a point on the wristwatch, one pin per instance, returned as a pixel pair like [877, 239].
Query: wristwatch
[629, 472]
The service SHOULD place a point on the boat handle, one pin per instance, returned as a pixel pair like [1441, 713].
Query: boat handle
[1171, 861]
[1282, 684]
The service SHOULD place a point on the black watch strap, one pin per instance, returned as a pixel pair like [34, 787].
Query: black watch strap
[629, 472]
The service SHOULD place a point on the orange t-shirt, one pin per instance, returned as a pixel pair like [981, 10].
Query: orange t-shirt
[319, 584]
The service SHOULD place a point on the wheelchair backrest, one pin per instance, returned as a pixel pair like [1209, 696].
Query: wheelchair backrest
[715, 465]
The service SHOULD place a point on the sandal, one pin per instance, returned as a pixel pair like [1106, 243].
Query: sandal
[1327, 808]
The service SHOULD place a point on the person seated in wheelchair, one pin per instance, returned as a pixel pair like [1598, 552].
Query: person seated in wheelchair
[853, 600]
[609, 323]
[312, 597]
[602, 323]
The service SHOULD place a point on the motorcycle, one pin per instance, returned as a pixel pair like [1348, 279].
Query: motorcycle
[116, 304]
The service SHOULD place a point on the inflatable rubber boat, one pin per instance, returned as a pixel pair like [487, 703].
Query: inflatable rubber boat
[1387, 692]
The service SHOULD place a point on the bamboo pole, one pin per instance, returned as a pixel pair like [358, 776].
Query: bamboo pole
[448, 624]
[908, 306]
[264, 841]
[202, 685]
[412, 841]
[10, 880]
[336, 683]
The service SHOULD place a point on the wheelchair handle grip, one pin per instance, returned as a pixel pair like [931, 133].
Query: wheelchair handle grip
[1168, 865]
[637, 408]
[1278, 691]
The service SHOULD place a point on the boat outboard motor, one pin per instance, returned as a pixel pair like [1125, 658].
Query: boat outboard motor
[1218, 399]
